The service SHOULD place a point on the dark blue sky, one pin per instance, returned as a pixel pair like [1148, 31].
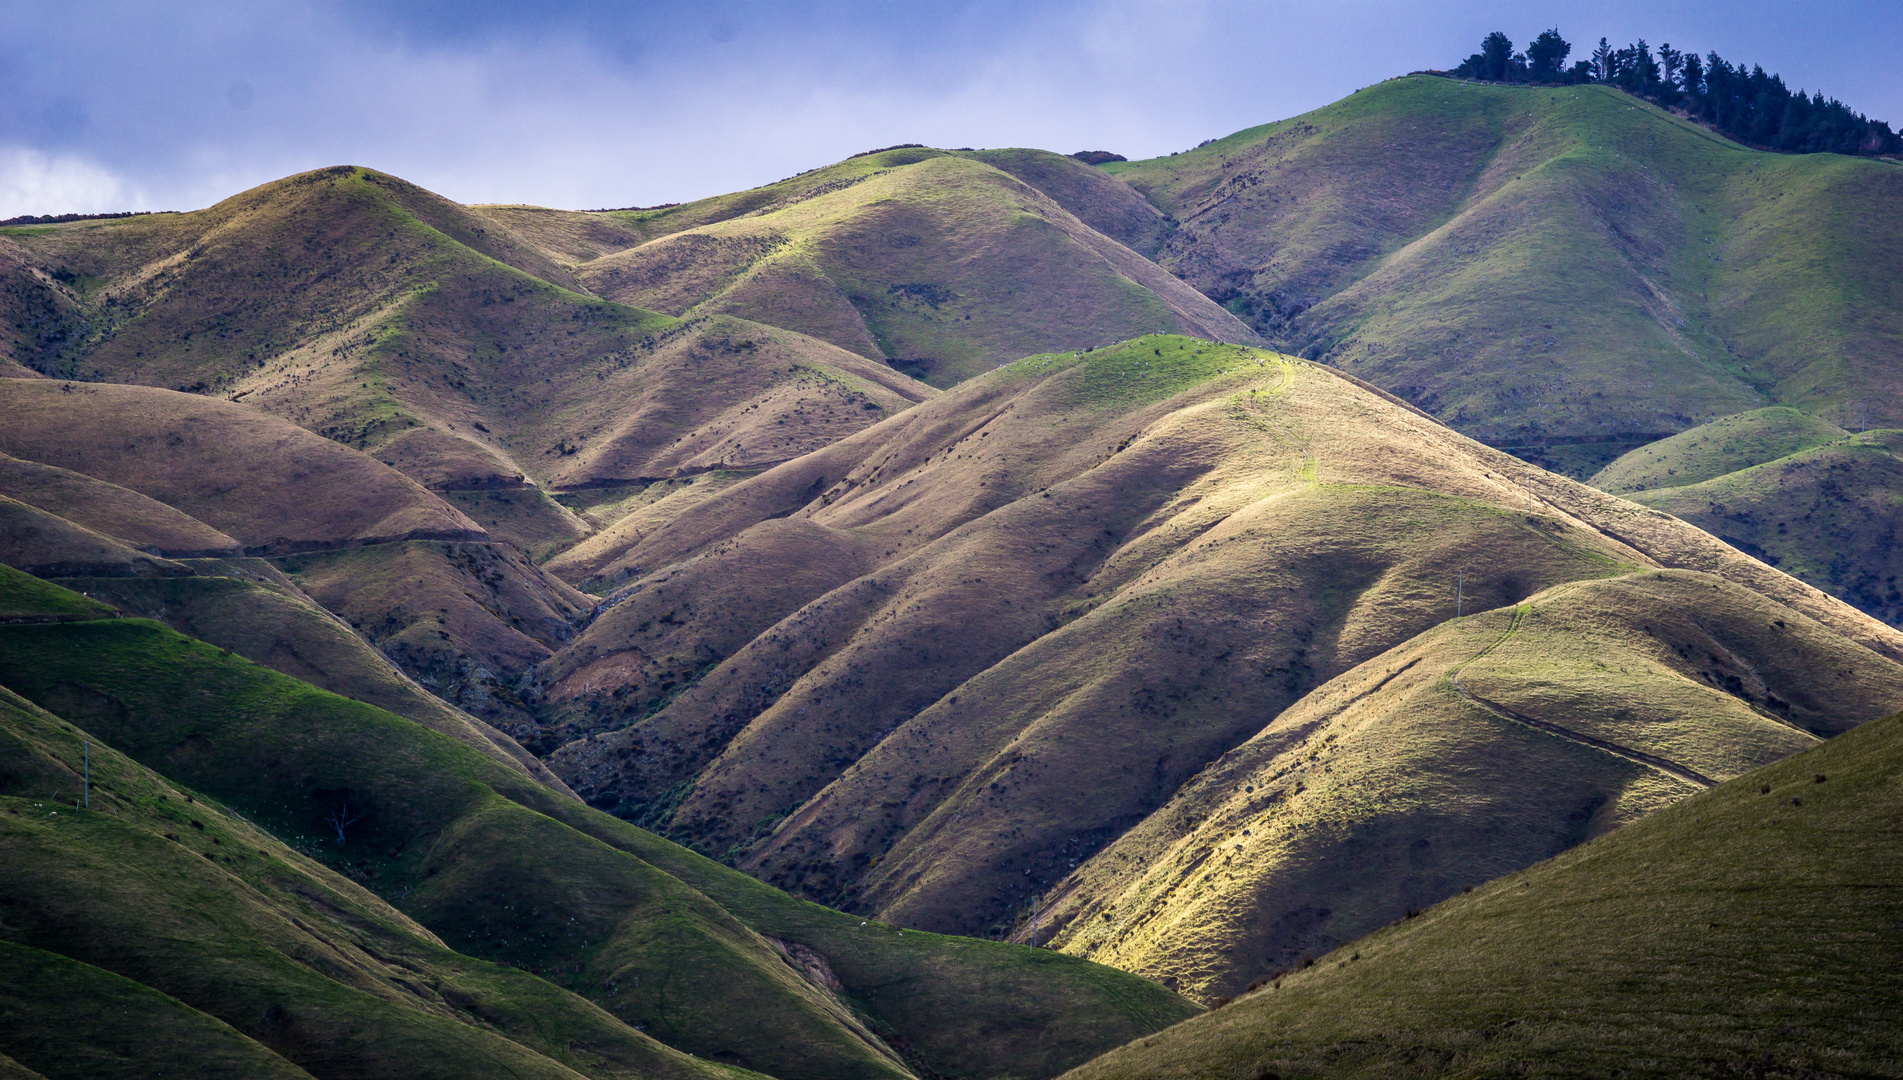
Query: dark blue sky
[136, 105]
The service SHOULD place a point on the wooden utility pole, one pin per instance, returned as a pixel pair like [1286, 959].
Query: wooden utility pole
[87, 787]
[1460, 592]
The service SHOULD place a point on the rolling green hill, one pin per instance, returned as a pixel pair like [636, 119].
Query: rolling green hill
[154, 930]
[362, 822]
[1565, 272]
[1711, 450]
[930, 670]
[1829, 511]
[1749, 929]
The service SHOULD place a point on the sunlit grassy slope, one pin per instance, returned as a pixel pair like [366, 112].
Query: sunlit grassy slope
[498, 868]
[25, 598]
[1568, 272]
[1829, 513]
[1746, 930]
[1712, 450]
[1468, 752]
[944, 264]
[929, 670]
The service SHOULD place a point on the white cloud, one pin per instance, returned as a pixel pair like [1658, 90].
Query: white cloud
[34, 182]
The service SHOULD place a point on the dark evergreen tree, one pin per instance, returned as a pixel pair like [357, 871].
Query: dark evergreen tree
[1691, 81]
[1671, 65]
[1604, 65]
[1546, 57]
[1496, 52]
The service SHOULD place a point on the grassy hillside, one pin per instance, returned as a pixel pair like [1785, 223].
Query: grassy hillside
[1745, 929]
[941, 264]
[1829, 514]
[25, 598]
[578, 237]
[502, 869]
[928, 670]
[1712, 450]
[154, 929]
[465, 620]
[390, 320]
[460, 612]
[41, 543]
[250, 608]
[266, 483]
[143, 522]
[1567, 272]
[1475, 749]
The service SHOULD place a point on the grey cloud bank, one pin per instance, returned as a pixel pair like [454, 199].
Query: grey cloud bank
[114, 106]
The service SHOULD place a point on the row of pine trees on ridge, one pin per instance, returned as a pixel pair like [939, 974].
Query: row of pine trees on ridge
[1750, 105]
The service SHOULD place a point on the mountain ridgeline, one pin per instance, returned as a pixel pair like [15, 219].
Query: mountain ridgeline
[720, 639]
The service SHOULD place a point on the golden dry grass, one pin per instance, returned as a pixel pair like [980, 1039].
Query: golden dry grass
[1464, 754]
[1743, 931]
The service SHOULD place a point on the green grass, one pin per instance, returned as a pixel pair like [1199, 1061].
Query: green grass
[505, 871]
[71, 1019]
[1565, 272]
[248, 607]
[390, 320]
[1712, 450]
[1743, 929]
[25, 598]
[1142, 371]
[1023, 617]
[492, 876]
[1476, 748]
[162, 928]
[1828, 514]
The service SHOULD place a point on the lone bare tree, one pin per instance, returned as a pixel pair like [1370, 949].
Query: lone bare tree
[342, 816]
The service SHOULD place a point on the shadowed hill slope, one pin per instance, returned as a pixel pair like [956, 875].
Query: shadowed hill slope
[1745, 929]
[1830, 513]
[1477, 748]
[459, 612]
[702, 957]
[228, 953]
[1027, 612]
[250, 608]
[1567, 272]
[941, 264]
[269, 484]
[41, 543]
[143, 522]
